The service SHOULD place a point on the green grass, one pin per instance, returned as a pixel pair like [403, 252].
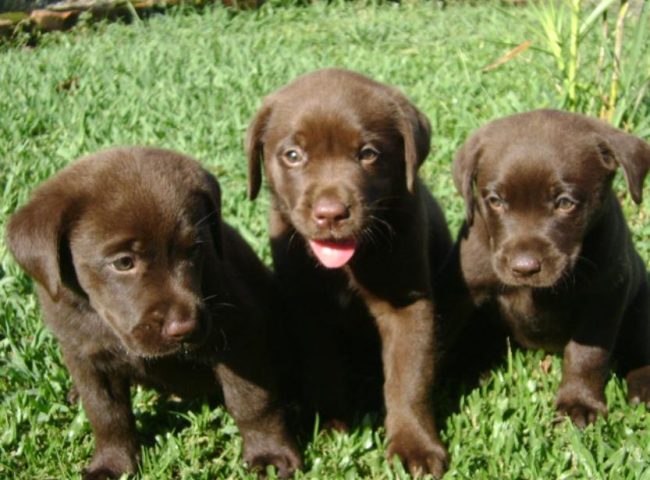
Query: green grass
[191, 81]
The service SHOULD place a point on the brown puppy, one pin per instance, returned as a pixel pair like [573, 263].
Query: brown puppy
[546, 238]
[355, 238]
[141, 282]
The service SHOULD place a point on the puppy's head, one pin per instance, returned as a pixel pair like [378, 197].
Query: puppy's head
[538, 180]
[339, 150]
[128, 232]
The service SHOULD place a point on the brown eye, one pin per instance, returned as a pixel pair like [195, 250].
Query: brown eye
[565, 204]
[293, 157]
[123, 264]
[495, 202]
[368, 155]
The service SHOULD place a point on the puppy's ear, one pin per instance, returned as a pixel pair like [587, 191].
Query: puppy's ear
[416, 132]
[35, 237]
[255, 149]
[464, 173]
[628, 151]
[212, 195]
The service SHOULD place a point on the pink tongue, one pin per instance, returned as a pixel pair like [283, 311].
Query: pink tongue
[333, 254]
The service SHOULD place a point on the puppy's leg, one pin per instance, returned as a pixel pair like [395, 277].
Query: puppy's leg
[584, 372]
[635, 347]
[107, 402]
[638, 385]
[586, 361]
[251, 400]
[407, 336]
[73, 395]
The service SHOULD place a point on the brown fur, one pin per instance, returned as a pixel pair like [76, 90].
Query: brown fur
[547, 241]
[359, 145]
[141, 282]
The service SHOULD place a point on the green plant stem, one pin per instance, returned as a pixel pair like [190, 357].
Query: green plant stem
[601, 63]
[572, 66]
[618, 48]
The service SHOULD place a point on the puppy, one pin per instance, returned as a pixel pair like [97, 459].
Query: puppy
[546, 239]
[355, 238]
[141, 282]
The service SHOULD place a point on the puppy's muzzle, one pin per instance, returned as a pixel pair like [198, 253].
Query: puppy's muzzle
[531, 261]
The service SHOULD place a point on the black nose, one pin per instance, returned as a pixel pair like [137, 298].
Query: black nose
[524, 265]
[328, 212]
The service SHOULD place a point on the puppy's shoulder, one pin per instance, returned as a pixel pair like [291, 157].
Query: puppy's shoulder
[77, 327]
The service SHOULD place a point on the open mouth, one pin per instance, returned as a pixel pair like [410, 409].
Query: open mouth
[333, 253]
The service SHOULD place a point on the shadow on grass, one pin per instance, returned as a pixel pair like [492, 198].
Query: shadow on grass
[165, 413]
[171, 415]
[483, 348]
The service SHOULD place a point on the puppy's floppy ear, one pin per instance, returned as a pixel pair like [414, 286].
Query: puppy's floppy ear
[36, 238]
[628, 151]
[255, 148]
[415, 129]
[212, 195]
[464, 173]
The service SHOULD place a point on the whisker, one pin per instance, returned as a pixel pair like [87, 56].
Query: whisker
[210, 297]
[216, 346]
[222, 306]
[366, 235]
[200, 221]
[292, 238]
[377, 230]
[502, 288]
[384, 199]
[587, 262]
[384, 228]
[381, 221]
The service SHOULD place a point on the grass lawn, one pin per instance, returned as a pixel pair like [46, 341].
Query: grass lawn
[191, 82]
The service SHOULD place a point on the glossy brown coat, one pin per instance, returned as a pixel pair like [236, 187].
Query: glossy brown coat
[141, 282]
[547, 242]
[338, 145]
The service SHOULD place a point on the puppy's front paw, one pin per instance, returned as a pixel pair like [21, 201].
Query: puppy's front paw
[73, 396]
[100, 473]
[420, 456]
[581, 405]
[335, 425]
[285, 459]
[110, 463]
[638, 385]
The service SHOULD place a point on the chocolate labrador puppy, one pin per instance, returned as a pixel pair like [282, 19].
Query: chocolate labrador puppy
[546, 238]
[356, 238]
[141, 282]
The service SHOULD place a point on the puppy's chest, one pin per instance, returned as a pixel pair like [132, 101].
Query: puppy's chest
[535, 320]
